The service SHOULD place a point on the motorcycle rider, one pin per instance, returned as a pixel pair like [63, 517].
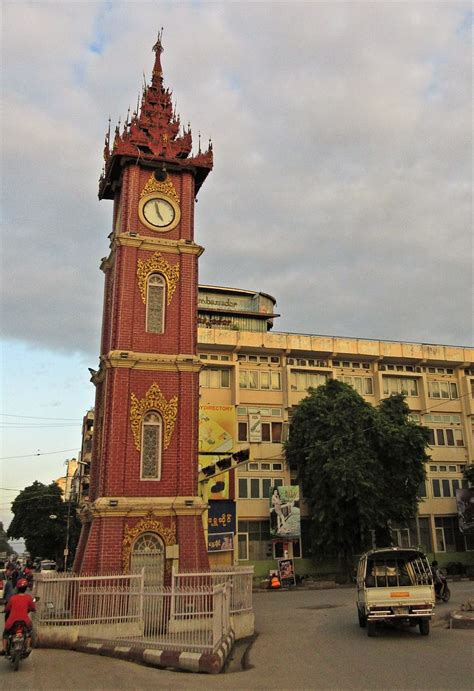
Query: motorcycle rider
[437, 579]
[17, 610]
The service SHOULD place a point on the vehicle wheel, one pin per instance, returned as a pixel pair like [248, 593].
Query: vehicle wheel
[16, 661]
[371, 629]
[424, 627]
[362, 619]
[446, 595]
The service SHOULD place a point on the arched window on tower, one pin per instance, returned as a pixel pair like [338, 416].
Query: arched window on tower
[152, 435]
[155, 304]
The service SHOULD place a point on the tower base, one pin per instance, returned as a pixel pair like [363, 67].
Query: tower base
[125, 534]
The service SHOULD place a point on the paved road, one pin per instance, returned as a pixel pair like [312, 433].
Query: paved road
[308, 640]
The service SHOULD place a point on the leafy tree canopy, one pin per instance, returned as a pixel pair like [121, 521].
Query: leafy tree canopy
[33, 510]
[469, 473]
[360, 467]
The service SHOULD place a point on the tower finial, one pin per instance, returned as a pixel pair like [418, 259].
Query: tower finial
[158, 47]
[157, 78]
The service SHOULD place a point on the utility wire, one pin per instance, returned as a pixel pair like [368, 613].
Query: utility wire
[45, 453]
[34, 417]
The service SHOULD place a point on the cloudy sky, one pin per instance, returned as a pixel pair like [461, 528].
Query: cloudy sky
[342, 180]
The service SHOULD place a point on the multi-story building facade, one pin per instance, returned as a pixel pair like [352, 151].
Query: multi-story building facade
[264, 374]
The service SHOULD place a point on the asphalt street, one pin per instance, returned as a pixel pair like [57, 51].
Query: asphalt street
[308, 639]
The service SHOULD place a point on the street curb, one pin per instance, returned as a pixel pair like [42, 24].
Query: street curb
[461, 620]
[208, 663]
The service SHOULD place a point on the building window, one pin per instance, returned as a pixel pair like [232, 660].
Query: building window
[243, 546]
[445, 436]
[242, 431]
[214, 378]
[254, 488]
[448, 536]
[243, 488]
[151, 446]
[396, 385]
[363, 385]
[155, 304]
[271, 432]
[266, 381]
[254, 540]
[270, 381]
[442, 389]
[446, 487]
[302, 381]
[257, 488]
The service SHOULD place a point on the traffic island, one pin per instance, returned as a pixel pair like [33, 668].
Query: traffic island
[463, 618]
[142, 653]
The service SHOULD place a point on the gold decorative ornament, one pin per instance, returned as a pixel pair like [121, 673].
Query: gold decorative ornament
[157, 263]
[158, 207]
[166, 187]
[149, 524]
[153, 400]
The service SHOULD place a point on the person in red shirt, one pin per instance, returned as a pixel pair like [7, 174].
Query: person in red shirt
[17, 609]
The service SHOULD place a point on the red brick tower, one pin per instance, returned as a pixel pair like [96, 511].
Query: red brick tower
[144, 508]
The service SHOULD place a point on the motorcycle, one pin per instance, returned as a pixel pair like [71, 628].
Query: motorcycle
[442, 590]
[17, 645]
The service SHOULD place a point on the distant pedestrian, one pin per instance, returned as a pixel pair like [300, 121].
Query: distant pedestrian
[8, 588]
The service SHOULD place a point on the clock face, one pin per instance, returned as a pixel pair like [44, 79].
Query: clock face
[159, 212]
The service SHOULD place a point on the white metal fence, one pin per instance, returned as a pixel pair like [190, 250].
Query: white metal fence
[67, 599]
[188, 615]
[240, 579]
[194, 619]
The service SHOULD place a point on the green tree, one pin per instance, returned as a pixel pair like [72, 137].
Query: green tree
[359, 467]
[41, 519]
[401, 449]
[469, 473]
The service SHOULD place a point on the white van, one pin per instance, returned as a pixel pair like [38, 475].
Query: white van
[395, 583]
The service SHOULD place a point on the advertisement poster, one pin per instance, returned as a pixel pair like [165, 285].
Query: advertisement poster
[217, 424]
[285, 512]
[221, 526]
[286, 569]
[255, 427]
[465, 504]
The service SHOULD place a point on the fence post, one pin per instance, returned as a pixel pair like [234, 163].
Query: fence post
[173, 589]
[217, 617]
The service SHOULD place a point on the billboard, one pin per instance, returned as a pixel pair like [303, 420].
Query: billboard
[217, 424]
[221, 526]
[465, 504]
[285, 512]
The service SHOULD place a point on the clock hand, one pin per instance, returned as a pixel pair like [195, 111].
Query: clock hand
[157, 209]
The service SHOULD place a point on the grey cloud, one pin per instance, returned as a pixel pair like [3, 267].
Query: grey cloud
[342, 142]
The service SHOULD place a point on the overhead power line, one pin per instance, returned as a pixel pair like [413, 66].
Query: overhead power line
[45, 453]
[35, 417]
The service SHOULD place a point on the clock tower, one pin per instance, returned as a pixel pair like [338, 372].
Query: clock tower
[143, 507]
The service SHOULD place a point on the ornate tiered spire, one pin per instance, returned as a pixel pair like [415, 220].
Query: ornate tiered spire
[153, 133]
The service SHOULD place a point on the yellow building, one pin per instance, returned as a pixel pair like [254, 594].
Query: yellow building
[264, 374]
[66, 482]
